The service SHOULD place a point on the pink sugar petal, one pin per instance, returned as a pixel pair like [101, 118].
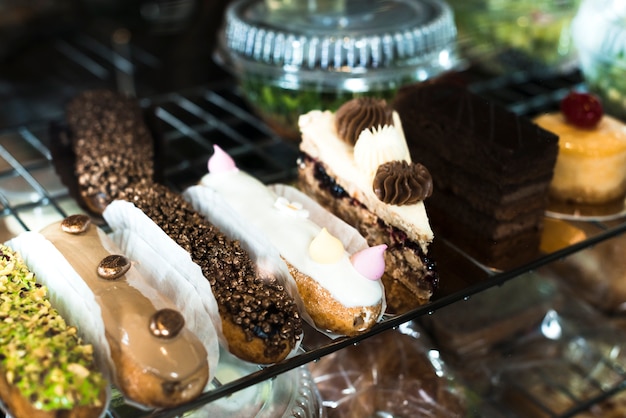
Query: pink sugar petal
[220, 161]
[370, 262]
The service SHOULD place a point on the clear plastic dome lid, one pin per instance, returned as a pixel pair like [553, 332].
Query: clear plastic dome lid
[350, 37]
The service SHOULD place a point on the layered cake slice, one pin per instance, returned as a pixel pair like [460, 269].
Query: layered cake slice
[491, 171]
[356, 164]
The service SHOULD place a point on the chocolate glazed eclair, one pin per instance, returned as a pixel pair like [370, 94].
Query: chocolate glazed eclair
[113, 145]
[259, 318]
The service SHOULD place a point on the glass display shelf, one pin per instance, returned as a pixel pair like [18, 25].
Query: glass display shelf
[191, 120]
[32, 196]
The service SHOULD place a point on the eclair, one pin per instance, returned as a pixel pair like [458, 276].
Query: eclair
[46, 369]
[337, 274]
[152, 357]
[260, 319]
[112, 144]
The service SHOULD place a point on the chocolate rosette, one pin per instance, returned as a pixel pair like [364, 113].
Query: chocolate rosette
[359, 114]
[402, 183]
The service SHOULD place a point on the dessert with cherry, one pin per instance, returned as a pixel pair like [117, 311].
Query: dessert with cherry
[591, 164]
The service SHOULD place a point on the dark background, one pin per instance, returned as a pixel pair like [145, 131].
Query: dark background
[50, 49]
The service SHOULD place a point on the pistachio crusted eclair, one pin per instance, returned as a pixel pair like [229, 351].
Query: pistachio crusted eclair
[260, 319]
[46, 370]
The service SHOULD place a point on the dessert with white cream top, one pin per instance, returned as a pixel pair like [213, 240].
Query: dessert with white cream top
[328, 253]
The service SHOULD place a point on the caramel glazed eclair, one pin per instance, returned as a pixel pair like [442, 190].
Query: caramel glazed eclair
[46, 370]
[152, 357]
[260, 319]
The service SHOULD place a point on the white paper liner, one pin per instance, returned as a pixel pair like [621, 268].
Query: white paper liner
[131, 229]
[217, 211]
[160, 274]
[68, 294]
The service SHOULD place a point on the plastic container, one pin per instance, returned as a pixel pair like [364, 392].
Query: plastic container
[292, 394]
[502, 36]
[599, 31]
[291, 58]
[397, 373]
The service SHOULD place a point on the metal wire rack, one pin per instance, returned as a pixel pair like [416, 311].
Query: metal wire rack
[32, 194]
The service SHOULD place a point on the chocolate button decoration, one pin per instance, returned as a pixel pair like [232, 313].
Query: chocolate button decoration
[166, 323]
[75, 224]
[113, 267]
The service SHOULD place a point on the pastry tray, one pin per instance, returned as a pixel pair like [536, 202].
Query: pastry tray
[32, 195]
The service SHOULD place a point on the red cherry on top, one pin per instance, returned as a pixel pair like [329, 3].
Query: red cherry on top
[582, 109]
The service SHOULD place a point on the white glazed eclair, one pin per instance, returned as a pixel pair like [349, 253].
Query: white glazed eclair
[336, 272]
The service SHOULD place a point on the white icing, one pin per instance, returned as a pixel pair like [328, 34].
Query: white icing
[320, 141]
[290, 208]
[292, 235]
[377, 146]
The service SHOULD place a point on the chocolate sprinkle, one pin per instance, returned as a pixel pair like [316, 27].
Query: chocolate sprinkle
[113, 146]
[260, 305]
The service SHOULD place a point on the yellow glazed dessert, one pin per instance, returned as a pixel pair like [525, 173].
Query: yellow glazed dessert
[591, 164]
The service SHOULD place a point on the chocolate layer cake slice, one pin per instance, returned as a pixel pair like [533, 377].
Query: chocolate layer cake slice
[491, 170]
[357, 165]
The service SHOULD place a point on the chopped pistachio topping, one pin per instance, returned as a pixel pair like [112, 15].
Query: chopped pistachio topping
[39, 352]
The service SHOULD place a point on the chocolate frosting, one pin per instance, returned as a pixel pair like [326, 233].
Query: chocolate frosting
[402, 183]
[454, 123]
[359, 114]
